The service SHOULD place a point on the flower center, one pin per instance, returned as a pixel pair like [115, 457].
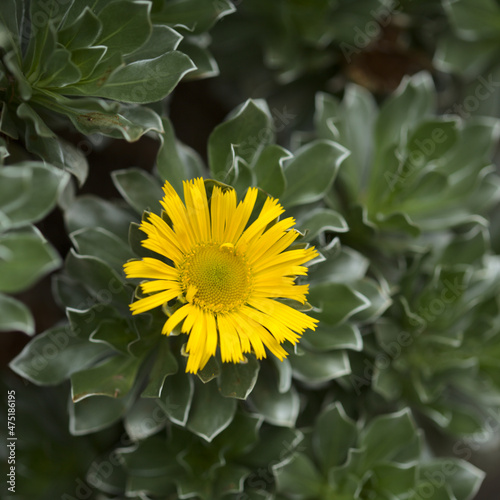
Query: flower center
[215, 277]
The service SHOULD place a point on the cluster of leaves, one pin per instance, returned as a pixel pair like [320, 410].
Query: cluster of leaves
[394, 196]
[124, 51]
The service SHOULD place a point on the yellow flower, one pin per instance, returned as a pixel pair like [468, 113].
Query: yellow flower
[227, 277]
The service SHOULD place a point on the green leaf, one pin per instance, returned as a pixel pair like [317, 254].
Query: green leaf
[59, 71]
[230, 479]
[350, 123]
[193, 15]
[336, 302]
[210, 371]
[114, 378]
[90, 211]
[87, 59]
[125, 26]
[93, 414]
[385, 436]
[298, 477]
[23, 85]
[334, 434]
[140, 190]
[177, 396]
[245, 428]
[82, 33]
[29, 191]
[210, 412]
[320, 221]
[237, 380]
[27, 113]
[269, 169]
[51, 357]
[206, 65]
[114, 333]
[413, 100]
[9, 16]
[43, 40]
[378, 297]
[277, 408]
[100, 243]
[396, 480]
[169, 161]
[163, 39]
[144, 419]
[246, 132]
[140, 82]
[165, 364]
[15, 316]
[473, 20]
[99, 279]
[26, 257]
[91, 116]
[310, 174]
[316, 368]
[327, 338]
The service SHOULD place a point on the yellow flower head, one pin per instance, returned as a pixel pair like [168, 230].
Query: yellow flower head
[226, 275]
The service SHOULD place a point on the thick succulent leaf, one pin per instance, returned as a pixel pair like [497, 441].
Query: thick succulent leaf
[320, 221]
[125, 26]
[298, 476]
[15, 316]
[193, 15]
[210, 412]
[165, 364]
[327, 338]
[246, 132]
[334, 434]
[51, 357]
[396, 480]
[144, 419]
[173, 162]
[177, 397]
[29, 191]
[100, 243]
[90, 211]
[91, 116]
[93, 414]
[475, 20]
[82, 33]
[385, 436]
[269, 169]
[277, 408]
[310, 174]
[101, 281]
[139, 82]
[206, 65]
[163, 39]
[139, 189]
[237, 380]
[350, 123]
[317, 368]
[114, 333]
[26, 257]
[336, 302]
[344, 266]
